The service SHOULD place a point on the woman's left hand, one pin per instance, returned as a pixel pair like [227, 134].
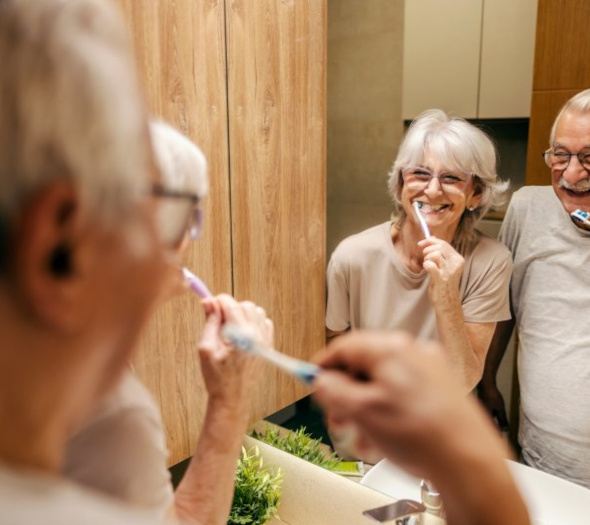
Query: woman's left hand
[445, 267]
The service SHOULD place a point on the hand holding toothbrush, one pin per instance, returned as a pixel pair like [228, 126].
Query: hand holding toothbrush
[230, 376]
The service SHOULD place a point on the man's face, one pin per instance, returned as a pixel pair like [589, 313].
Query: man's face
[572, 185]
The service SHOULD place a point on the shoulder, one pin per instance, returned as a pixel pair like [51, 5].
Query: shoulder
[356, 248]
[531, 198]
[41, 499]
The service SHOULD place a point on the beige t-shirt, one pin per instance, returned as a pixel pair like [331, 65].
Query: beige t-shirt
[31, 497]
[550, 293]
[121, 450]
[369, 286]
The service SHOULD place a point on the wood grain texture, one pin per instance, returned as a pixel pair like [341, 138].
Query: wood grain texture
[180, 48]
[544, 108]
[562, 46]
[277, 124]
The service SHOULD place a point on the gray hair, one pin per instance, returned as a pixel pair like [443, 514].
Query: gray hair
[579, 103]
[70, 105]
[182, 164]
[460, 146]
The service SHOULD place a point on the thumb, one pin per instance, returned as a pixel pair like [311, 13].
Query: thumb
[210, 334]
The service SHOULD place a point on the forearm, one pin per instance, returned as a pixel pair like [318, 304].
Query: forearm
[463, 358]
[205, 493]
[482, 492]
[471, 472]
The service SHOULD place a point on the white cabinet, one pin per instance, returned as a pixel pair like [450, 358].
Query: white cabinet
[473, 58]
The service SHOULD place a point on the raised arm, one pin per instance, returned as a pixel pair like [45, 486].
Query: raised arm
[466, 344]
[205, 493]
[403, 401]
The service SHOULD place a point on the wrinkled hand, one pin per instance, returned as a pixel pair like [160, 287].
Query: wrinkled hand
[402, 399]
[231, 374]
[444, 265]
[493, 402]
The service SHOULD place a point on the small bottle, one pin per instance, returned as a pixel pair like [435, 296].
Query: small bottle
[431, 499]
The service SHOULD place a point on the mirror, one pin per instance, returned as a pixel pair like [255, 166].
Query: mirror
[377, 82]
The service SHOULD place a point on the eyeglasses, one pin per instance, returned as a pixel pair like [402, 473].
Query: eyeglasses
[178, 215]
[419, 178]
[560, 159]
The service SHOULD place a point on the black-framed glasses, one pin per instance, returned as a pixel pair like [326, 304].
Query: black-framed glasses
[178, 215]
[559, 159]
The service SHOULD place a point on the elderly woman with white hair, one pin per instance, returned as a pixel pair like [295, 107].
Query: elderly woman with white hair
[451, 285]
[121, 449]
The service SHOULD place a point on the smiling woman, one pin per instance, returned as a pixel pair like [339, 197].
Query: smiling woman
[451, 286]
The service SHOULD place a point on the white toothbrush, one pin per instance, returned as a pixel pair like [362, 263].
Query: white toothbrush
[241, 339]
[425, 230]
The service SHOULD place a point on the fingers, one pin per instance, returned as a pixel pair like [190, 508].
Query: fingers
[342, 397]
[231, 309]
[210, 334]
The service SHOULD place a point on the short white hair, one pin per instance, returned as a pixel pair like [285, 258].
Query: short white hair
[70, 105]
[579, 103]
[182, 164]
[457, 145]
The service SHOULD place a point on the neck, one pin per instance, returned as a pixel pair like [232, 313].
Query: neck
[45, 390]
[405, 240]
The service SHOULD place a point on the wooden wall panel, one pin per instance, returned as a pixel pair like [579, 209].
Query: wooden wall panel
[277, 108]
[561, 70]
[563, 45]
[180, 47]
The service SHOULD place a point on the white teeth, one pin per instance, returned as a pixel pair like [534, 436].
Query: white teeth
[431, 208]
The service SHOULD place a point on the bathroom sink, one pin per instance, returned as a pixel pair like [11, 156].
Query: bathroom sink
[550, 500]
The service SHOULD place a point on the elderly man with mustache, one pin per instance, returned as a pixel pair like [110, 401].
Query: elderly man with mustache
[550, 298]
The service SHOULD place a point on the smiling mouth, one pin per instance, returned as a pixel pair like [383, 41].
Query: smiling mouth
[576, 193]
[428, 209]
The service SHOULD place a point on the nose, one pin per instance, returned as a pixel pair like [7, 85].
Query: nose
[574, 172]
[433, 187]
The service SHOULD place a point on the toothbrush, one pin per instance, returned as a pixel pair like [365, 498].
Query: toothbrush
[195, 284]
[581, 218]
[240, 338]
[417, 205]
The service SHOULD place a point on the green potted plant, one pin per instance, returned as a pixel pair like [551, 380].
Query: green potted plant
[257, 490]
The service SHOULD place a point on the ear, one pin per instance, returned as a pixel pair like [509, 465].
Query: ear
[46, 242]
[474, 200]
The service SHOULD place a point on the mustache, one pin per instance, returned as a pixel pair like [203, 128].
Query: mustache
[583, 185]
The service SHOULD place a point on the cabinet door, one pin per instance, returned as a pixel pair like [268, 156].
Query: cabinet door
[441, 56]
[277, 134]
[180, 48]
[508, 45]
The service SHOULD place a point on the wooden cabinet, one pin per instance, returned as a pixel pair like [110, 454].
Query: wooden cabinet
[245, 79]
[561, 71]
[473, 58]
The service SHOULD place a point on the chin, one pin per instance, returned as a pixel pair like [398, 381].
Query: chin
[572, 201]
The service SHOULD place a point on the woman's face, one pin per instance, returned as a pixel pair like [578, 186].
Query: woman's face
[443, 194]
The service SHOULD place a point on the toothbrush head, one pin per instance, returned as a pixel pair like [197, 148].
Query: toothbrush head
[581, 218]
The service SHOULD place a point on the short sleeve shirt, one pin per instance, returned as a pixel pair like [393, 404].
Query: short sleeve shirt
[550, 292]
[370, 287]
[121, 449]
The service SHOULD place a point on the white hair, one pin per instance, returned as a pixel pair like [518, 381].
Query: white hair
[579, 103]
[460, 146]
[70, 106]
[182, 164]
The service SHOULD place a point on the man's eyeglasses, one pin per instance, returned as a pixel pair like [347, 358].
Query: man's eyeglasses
[178, 215]
[559, 159]
[419, 178]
